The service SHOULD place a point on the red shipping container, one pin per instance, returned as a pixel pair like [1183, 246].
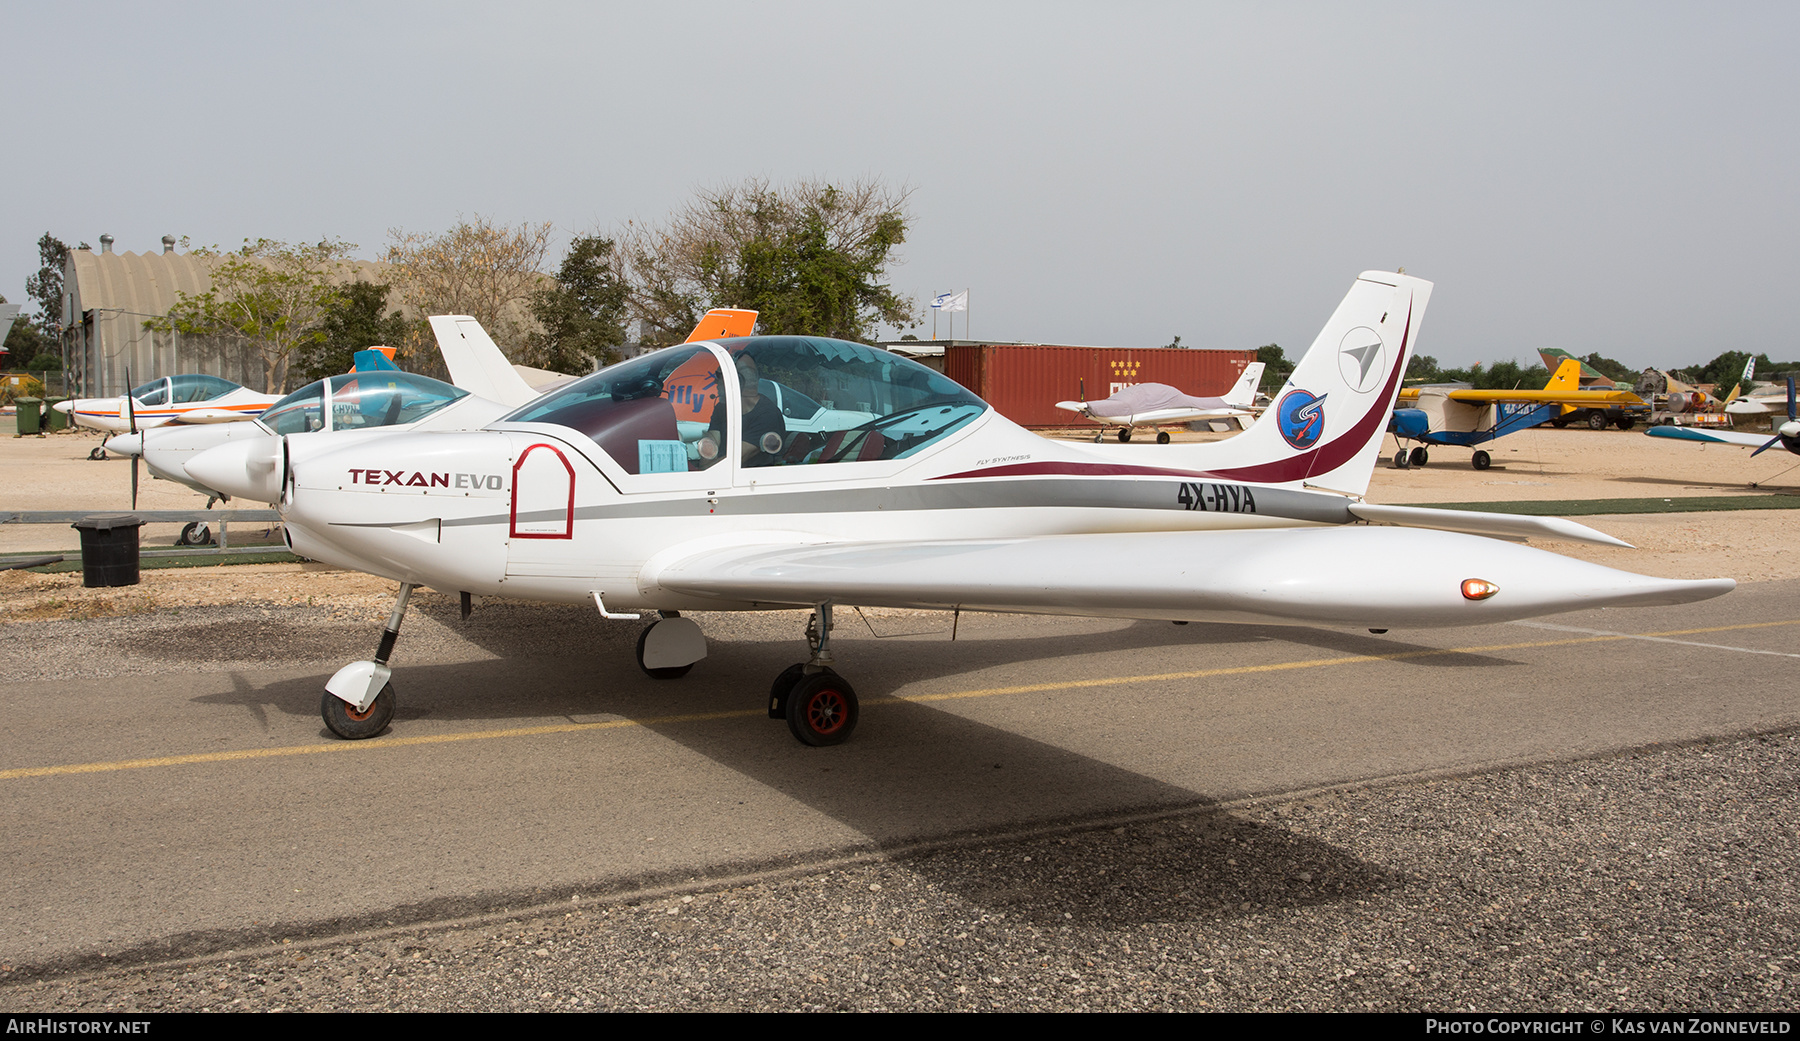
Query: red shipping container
[1025, 381]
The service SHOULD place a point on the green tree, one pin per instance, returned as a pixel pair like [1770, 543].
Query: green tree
[1276, 367]
[46, 287]
[352, 321]
[485, 270]
[23, 340]
[810, 257]
[582, 314]
[268, 298]
[1423, 368]
[1617, 371]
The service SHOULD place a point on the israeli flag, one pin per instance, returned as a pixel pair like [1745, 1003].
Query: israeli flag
[951, 301]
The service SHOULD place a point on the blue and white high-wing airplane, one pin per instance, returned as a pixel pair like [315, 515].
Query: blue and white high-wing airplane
[672, 482]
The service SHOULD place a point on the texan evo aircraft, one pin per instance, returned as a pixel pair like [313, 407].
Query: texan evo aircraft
[672, 482]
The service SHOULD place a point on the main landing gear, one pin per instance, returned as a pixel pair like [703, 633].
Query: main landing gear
[818, 704]
[359, 700]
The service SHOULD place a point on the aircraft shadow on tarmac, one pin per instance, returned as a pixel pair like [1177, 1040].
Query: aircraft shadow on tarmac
[915, 773]
[1683, 482]
[916, 776]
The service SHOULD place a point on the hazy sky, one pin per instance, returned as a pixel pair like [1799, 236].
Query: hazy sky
[1613, 178]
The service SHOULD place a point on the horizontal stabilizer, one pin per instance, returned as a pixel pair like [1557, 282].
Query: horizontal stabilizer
[1503, 525]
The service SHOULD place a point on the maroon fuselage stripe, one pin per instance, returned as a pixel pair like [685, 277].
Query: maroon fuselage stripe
[1330, 456]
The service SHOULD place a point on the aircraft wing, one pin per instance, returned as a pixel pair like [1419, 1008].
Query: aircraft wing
[1719, 437]
[1549, 397]
[1376, 577]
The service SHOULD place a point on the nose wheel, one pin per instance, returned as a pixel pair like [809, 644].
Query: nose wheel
[344, 720]
[359, 701]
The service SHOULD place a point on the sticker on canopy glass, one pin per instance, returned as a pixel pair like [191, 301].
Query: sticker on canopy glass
[662, 457]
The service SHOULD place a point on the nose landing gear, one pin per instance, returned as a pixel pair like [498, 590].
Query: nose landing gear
[359, 700]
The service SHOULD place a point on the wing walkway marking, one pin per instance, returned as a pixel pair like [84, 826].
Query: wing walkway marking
[1598, 636]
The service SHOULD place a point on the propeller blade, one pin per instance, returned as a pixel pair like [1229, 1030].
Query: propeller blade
[134, 481]
[1791, 415]
[1770, 443]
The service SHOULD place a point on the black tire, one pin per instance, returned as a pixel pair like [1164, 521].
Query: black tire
[1626, 422]
[343, 720]
[1101, 436]
[822, 710]
[1402, 459]
[195, 534]
[1124, 434]
[1162, 437]
[1419, 457]
[1596, 420]
[1481, 460]
[672, 673]
[1559, 422]
[97, 454]
[781, 688]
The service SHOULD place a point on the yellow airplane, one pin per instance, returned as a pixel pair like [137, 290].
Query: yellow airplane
[1454, 415]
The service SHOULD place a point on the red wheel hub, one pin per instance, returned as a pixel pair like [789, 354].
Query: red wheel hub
[827, 712]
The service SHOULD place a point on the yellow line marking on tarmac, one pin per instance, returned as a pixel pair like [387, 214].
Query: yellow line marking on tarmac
[700, 717]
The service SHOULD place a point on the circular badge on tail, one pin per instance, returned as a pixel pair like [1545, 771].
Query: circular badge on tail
[1362, 359]
[1300, 415]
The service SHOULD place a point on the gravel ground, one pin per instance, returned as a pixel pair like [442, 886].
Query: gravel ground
[1661, 879]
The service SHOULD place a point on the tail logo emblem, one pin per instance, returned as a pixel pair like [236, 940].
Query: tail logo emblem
[1300, 415]
[1359, 357]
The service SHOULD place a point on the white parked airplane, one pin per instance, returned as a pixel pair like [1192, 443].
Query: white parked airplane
[187, 398]
[591, 494]
[1158, 404]
[484, 386]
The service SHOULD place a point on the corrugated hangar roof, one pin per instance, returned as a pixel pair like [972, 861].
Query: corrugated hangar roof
[148, 283]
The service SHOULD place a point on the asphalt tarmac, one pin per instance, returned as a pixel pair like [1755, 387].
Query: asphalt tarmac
[182, 833]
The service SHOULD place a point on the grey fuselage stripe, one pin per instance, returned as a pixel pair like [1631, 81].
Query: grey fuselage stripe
[1057, 493]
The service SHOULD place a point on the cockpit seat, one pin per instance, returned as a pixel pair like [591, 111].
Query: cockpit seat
[618, 426]
[852, 446]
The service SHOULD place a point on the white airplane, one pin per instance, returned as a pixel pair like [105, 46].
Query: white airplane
[591, 495]
[484, 386]
[1158, 404]
[187, 398]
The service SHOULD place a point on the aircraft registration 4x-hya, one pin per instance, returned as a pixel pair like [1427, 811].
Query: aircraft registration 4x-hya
[763, 472]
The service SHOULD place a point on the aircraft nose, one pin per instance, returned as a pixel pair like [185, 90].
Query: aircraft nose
[65, 407]
[125, 444]
[249, 469]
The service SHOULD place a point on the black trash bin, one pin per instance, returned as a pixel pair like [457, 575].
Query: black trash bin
[109, 550]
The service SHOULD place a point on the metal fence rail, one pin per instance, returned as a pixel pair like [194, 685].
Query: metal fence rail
[222, 518]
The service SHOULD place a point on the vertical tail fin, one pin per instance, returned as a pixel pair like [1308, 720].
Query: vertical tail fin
[1243, 393]
[723, 323]
[1566, 377]
[1325, 426]
[475, 362]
